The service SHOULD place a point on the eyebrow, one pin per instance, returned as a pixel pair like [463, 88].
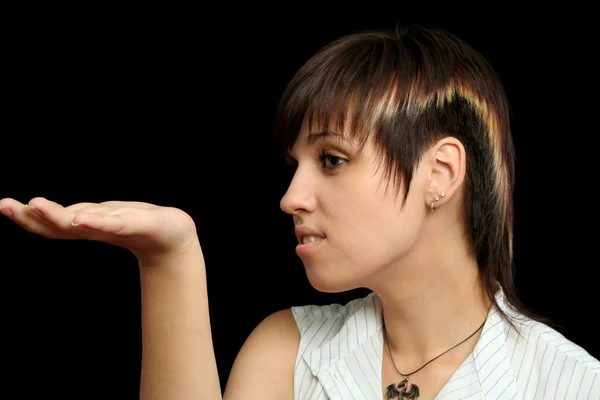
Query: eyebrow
[314, 137]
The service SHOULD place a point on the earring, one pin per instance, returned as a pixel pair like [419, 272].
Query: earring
[436, 199]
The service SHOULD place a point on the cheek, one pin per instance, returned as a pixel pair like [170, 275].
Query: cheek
[372, 226]
[356, 208]
[364, 217]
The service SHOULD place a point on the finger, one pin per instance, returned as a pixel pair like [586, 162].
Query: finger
[52, 212]
[46, 218]
[7, 205]
[31, 222]
[43, 204]
[60, 216]
[40, 216]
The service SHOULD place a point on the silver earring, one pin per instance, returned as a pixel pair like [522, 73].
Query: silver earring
[436, 199]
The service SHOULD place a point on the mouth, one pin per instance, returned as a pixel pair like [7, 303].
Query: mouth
[310, 239]
[309, 244]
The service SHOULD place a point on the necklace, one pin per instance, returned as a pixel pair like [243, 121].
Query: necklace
[401, 390]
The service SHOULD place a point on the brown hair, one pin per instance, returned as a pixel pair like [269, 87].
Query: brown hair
[407, 89]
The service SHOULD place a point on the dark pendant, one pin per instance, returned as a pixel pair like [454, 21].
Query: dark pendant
[401, 391]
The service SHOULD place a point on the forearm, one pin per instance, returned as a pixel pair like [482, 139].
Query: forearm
[178, 359]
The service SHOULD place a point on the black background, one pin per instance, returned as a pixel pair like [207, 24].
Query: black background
[175, 107]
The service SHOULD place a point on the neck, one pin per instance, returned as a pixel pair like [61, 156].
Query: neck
[419, 330]
[431, 306]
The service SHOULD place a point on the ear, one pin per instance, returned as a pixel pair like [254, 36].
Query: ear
[447, 173]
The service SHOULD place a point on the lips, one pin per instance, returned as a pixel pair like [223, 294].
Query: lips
[308, 235]
[312, 244]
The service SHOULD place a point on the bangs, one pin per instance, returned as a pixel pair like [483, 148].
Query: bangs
[370, 78]
[351, 93]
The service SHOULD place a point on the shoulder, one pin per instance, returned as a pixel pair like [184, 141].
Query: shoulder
[263, 368]
[536, 338]
[269, 365]
[320, 323]
[330, 332]
[544, 360]
[306, 315]
[329, 337]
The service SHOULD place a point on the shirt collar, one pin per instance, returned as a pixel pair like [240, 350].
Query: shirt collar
[362, 326]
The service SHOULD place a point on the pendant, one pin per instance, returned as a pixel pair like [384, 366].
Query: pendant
[401, 391]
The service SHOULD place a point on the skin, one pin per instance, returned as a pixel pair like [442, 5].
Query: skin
[416, 261]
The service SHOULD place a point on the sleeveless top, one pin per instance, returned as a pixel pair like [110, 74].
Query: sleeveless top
[341, 347]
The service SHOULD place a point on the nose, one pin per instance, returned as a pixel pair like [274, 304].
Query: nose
[300, 196]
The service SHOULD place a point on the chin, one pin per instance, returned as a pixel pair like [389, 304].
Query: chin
[329, 283]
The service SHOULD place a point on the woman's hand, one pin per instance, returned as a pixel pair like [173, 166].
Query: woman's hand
[177, 353]
[149, 231]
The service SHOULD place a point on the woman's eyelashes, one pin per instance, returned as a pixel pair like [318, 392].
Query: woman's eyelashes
[329, 160]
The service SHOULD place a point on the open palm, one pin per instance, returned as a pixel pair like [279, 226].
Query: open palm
[140, 227]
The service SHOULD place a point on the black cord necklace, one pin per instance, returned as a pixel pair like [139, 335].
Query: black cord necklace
[401, 390]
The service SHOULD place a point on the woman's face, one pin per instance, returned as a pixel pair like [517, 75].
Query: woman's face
[355, 216]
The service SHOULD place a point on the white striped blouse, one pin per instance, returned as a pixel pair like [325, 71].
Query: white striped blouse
[340, 357]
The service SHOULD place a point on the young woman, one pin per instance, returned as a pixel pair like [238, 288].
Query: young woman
[403, 184]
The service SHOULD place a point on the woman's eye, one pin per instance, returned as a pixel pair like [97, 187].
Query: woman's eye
[330, 161]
